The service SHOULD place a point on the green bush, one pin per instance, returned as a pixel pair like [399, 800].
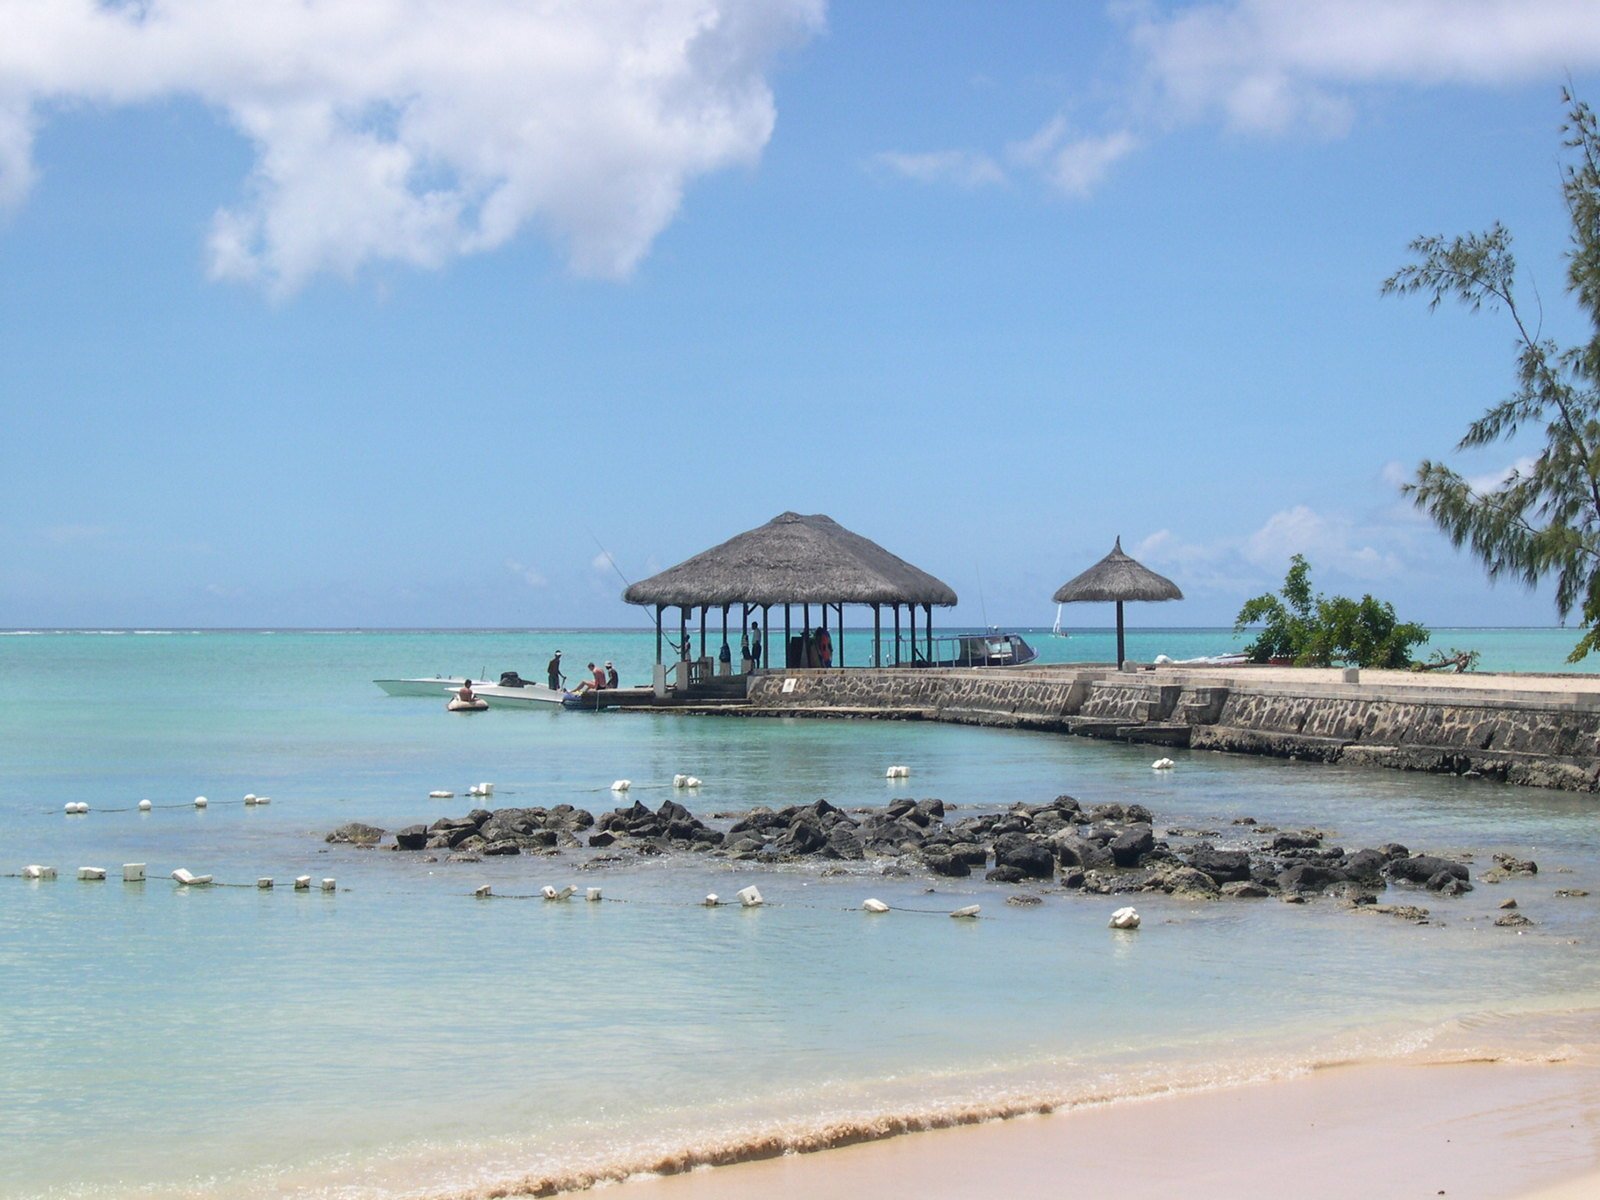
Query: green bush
[1320, 631]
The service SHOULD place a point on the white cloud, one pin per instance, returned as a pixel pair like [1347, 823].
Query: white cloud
[1269, 66]
[1073, 165]
[1280, 67]
[527, 574]
[963, 167]
[411, 131]
[1490, 480]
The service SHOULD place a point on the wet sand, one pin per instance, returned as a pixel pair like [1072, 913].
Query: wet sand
[1474, 1131]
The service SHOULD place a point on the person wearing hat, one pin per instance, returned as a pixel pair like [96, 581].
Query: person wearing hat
[554, 669]
[611, 675]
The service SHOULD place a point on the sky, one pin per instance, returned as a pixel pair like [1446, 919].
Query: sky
[340, 313]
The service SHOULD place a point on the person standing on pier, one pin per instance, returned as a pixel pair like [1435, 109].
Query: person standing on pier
[554, 670]
[755, 646]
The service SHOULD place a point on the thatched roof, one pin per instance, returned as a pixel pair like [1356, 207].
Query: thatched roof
[792, 560]
[1118, 577]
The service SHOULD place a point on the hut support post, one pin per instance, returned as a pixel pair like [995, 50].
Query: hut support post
[897, 634]
[658, 633]
[788, 635]
[877, 636]
[912, 609]
[1121, 652]
[839, 612]
[683, 633]
[765, 624]
[703, 608]
[927, 611]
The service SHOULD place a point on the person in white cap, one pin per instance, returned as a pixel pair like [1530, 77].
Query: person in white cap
[611, 675]
[554, 669]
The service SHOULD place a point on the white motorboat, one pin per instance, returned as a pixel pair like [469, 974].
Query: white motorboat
[436, 686]
[500, 695]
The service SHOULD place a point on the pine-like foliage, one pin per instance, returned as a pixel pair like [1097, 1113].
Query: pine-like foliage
[1542, 521]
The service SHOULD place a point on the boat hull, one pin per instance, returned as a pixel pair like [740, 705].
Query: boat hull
[436, 686]
[528, 696]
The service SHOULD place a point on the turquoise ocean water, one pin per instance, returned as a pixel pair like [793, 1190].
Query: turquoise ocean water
[399, 1038]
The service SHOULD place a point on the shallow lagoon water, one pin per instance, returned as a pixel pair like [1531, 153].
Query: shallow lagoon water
[399, 1037]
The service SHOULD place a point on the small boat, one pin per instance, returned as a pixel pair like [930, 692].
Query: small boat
[520, 694]
[992, 649]
[421, 687]
[457, 704]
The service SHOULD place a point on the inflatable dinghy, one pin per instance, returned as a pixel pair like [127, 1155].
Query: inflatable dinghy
[457, 704]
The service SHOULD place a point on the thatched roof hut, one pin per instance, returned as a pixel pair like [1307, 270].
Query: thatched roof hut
[794, 560]
[1117, 578]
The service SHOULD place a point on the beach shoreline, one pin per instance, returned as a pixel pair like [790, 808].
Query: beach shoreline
[1480, 1130]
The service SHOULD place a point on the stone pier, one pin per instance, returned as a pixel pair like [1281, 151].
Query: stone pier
[1535, 730]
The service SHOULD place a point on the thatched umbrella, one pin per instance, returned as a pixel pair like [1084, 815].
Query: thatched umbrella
[795, 559]
[1118, 577]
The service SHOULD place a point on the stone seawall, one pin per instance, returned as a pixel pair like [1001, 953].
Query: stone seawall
[1515, 732]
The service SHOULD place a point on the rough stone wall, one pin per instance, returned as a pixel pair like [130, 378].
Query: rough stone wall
[1539, 745]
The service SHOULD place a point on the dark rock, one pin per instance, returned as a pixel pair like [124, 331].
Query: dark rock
[970, 853]
[412, 837]
[1513, 865]
[1024, 901]
[1032, 859]
[1006, 875]
[1138, 814]
[1309, 877]
[1420, 868]
[444, 823]
[1512, 921]
[503, 847]
[1447, 884]
[1365, 866]
[1072, 877]
[1132, 844]
[1224, 866]
[1247, 889]
[602, 838]
[1187, 881]
[946, 864]
[544, 839]
[843, 843]
[437, 841]
[479, 815]
[803, 837]
[1074, 851]
[1296, 841]
[358, 834]
[1393, 850]
[1108, 814]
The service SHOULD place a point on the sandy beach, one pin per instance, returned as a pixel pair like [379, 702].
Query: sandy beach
[1481, 1131]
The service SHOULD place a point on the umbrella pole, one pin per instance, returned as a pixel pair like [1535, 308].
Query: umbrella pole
[1121, 653]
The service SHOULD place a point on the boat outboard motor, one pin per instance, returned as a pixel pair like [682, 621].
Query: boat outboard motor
[512, 679]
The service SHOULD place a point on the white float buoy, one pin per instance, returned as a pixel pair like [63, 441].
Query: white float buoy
[970, 910]
[751, 897]
[132, 872]
[874, 906]
[711, 901]
[440, 795]
[249, 799]
[91, 873]
[302, 883]
[265, 883]
[680, 781]
[899, 771]
[486, 789]
[591, 894]
[145, 806]
[621, 785]
[35, 871]
[1162, 764]
[260, 800]
[692, 782]
[548, 892]
[329, 885]
[200, 801]
[188, 879]
[1124, 918]
[484, 892]
[76, 808]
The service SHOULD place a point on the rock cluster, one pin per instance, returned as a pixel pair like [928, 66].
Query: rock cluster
[1104, 849]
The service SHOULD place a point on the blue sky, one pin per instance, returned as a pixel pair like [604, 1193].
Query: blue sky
[368, 315]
